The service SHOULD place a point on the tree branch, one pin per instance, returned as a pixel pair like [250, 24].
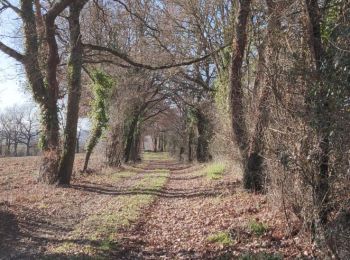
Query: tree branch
[126, 58]
[57, 8]
[11, 52]
[7, 4]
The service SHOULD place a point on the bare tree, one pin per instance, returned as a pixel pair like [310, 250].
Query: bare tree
[29, 127]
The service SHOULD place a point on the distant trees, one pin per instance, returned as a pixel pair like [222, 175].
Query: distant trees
[19, 126]
[40, 59]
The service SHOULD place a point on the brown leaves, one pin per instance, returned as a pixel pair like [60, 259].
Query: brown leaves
[177, 225]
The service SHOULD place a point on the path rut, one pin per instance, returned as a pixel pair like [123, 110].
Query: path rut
[178, 223]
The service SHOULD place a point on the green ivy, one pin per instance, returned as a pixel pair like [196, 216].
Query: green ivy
[101, 87]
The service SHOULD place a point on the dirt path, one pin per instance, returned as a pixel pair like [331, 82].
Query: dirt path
[178, 223]
[160, 209]
[196, 217]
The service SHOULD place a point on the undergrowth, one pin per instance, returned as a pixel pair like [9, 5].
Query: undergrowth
[222, 238]
[214, 171]
[257, 228]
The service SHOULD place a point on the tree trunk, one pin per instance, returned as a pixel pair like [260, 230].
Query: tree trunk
[161, 142]
[114, 151]
[204, 136]
[130, 138]
[45, 92]
[236, 91]
[8, 147]
[322, 112]
[95, 136]
[27, 149]
[155, 144]
[254, 166]
[77, 148]
[15, 145]
[87, 158]
[74, 92]
[190, 144]
[135, 148]
[48, 172]
[253, 171]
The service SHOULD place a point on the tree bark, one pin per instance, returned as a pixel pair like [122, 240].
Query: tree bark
[155, 143]
[131, 138]
[322, 113]
[28, 149]
[135, 149]
[95, 136]
[236, 91]
[15, 145]
[74, 93]
[114, 151]
[45, 94]
[254, 166]
[191, 136]
[204, 136]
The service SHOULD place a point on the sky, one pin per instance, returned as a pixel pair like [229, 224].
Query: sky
[11, 83]
[11, 75]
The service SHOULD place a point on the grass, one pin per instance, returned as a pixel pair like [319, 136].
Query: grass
[257, 228]
[215, 170]
[100, 229]
[111, 177]
[222, 238]
[154, 180]
[158, 156]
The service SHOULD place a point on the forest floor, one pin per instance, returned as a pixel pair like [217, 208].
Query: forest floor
[159, 209]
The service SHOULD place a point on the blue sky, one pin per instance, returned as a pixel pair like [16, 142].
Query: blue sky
[11, 75]
[11, 83]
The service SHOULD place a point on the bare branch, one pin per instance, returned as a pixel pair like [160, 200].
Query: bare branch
[7, 4]
[126, 58]
[11, 52]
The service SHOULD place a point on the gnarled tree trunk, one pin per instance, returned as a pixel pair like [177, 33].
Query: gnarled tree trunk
[130, 139]
[254, 166]
[114, 150]
[236, 91]
[322, 112]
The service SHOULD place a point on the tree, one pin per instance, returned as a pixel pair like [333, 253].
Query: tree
[29, 127]
[43, 82]
[102, 86]
[74, 92]
[239, 126]
[19, 125]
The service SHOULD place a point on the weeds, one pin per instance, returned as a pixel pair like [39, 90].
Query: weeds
[214, 171]
[222, 238]
[257, 228]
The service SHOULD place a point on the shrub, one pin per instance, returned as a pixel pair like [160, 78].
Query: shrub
[257, 228]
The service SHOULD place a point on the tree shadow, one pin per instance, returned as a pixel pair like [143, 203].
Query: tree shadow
[186, 178]
[164, 193]
[136, 248]
[9, 232]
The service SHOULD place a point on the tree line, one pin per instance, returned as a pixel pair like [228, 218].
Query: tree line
[263, 82]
